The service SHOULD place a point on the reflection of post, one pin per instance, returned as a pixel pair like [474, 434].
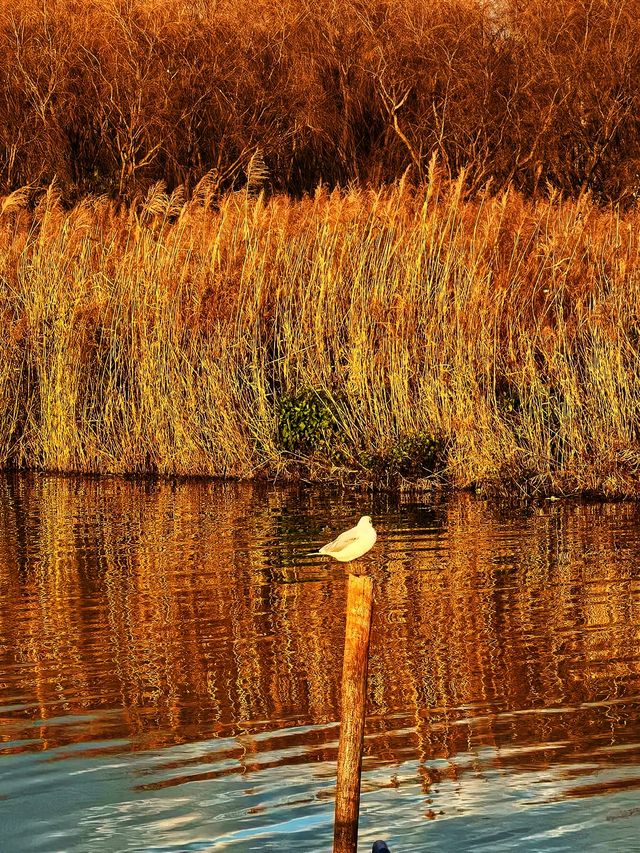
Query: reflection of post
[353, 705]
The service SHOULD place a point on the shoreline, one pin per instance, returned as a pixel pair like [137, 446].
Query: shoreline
[440, 491]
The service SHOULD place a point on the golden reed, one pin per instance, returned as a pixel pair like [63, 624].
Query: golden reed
[163, 336]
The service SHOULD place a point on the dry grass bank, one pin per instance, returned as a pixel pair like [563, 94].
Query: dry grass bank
[113, 95]
[371, 336]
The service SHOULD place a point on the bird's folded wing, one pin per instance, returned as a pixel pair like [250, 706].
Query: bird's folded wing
[338, 544]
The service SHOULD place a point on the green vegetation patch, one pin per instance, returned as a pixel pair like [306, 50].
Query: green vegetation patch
[307, 422]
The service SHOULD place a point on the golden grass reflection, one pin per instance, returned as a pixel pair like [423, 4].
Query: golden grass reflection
[165, 614]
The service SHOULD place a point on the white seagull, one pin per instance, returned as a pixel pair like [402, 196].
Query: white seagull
[352, 543]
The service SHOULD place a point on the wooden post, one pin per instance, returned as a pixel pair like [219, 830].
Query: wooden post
[353, 706]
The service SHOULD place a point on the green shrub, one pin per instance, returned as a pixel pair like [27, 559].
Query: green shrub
[307, 422]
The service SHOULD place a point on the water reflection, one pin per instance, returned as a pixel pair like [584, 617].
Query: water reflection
[180, 629]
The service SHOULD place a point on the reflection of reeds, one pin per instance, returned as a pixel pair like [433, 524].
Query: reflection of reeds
[115, 603]
[165, 340]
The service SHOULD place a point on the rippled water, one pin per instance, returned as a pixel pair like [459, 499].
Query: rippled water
[170, 662]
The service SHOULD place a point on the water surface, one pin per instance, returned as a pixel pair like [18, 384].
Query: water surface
[170, 663]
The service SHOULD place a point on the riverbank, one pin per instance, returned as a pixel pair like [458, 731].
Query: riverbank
[389, 338]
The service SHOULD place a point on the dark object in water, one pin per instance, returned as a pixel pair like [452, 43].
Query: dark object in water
[380, 847]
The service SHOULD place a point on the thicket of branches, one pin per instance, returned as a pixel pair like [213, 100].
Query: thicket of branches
[113, 95]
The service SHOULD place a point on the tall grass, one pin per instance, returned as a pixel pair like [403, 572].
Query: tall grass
[369, 336]
[109, 96]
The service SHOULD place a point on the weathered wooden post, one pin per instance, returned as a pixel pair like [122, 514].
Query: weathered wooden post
[352, 710]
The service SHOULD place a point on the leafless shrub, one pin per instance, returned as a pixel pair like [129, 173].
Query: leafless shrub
[111, 96]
